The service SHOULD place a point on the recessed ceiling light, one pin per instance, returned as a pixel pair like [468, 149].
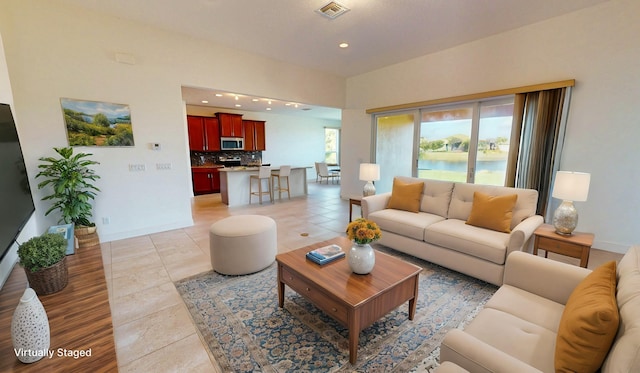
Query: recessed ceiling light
[205, 101]
[255, 100]
[238, 105]
[237, 98]
[344, 45]
[269, 102]
[287, 104]
[268, 108]
[218, 94]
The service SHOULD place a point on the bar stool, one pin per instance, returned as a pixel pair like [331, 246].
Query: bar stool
[263, 174]
[282, 173]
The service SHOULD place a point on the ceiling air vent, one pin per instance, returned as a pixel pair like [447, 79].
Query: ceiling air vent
[333, 10]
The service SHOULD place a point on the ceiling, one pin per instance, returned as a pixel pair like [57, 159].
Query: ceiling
[379, 33]
[244, 102]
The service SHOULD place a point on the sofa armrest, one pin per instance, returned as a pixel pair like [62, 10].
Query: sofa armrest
[544, 277]
[374, 203]
[475, 355]
[522, 232]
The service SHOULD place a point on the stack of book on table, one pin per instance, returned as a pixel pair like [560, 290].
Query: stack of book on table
[325, 254]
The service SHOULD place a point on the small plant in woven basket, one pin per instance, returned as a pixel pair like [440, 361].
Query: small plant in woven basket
[42, 251]
[44, 261]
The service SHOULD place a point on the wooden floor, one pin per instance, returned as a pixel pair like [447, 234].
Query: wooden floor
[79, 319]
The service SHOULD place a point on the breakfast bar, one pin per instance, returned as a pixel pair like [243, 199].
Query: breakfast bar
[234, 183]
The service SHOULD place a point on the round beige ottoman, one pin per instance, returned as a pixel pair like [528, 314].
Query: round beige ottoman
[243, 244]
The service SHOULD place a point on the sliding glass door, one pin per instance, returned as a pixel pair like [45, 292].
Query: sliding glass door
[494, 137]
[466, 142]
[445, 137]
[395, 135]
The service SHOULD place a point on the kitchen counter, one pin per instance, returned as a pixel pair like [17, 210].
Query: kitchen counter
[234, 183]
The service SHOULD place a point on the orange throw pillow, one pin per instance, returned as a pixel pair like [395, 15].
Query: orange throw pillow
[492, 212]
[405, 196]
[589, 322]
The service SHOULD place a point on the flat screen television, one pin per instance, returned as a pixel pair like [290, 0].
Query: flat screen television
[16, 202]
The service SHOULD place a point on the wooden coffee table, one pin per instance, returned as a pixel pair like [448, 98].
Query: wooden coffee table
[355, 301]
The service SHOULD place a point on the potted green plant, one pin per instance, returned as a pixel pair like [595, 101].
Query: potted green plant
[71, 181]
[45, 263]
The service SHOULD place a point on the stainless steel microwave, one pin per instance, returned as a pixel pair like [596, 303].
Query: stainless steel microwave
[232, 143]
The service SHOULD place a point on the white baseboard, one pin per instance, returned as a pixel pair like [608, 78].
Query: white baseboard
[144, 231]
[615, 247]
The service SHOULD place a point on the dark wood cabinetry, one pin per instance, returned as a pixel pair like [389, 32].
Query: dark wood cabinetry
[205, 180]
[204, 133]
[230, 125]
[254, 135]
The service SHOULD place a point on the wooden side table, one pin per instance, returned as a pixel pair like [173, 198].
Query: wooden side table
[355, 200]
[577, 245]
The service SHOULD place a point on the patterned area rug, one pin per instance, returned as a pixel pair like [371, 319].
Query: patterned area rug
[246, 331]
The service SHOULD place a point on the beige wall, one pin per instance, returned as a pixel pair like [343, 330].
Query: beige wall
[597, 46]
[55, 51]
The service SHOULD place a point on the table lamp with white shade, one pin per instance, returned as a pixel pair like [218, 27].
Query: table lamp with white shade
[569, 187]
[369, 172]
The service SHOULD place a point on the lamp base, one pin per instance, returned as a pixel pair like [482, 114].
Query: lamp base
[565, 218]
[369, 189]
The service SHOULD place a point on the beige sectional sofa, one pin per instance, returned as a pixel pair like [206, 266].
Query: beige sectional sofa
[518, 329]
[438, 232]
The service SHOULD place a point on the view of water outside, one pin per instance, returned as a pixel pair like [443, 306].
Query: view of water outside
[445, 144]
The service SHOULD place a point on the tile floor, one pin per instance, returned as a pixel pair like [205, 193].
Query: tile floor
[152, 327]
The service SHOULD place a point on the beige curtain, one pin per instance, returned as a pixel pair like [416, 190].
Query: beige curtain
[538, 116]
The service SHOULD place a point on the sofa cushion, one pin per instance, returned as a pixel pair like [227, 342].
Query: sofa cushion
[492, 212]
[405, 196]
[436, 194]
[524, 340]
[404, 223]
[462, 201]
[624, 355]
[589, 322]
[527, 306]
[482, 243]
[436, 197]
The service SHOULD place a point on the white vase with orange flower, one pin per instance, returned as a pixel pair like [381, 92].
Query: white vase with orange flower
[362, 256]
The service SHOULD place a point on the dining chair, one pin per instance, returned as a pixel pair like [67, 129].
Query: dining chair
[326, 174]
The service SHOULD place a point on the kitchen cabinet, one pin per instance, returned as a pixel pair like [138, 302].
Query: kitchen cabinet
[230, 125]
[204, 133]
[254, 135]
[205, 180]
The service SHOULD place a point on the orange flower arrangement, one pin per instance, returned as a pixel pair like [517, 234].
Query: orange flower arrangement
[363, 231]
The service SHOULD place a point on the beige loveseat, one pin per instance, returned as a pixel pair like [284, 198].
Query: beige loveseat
[438, 232]
[517, 331]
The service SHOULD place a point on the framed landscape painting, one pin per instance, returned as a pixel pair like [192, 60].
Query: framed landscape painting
[93, 123]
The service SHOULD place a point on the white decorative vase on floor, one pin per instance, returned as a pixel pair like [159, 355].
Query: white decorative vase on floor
[362, 258]
[30, 329]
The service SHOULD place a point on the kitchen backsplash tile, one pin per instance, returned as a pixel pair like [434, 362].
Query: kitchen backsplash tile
[248, 158]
